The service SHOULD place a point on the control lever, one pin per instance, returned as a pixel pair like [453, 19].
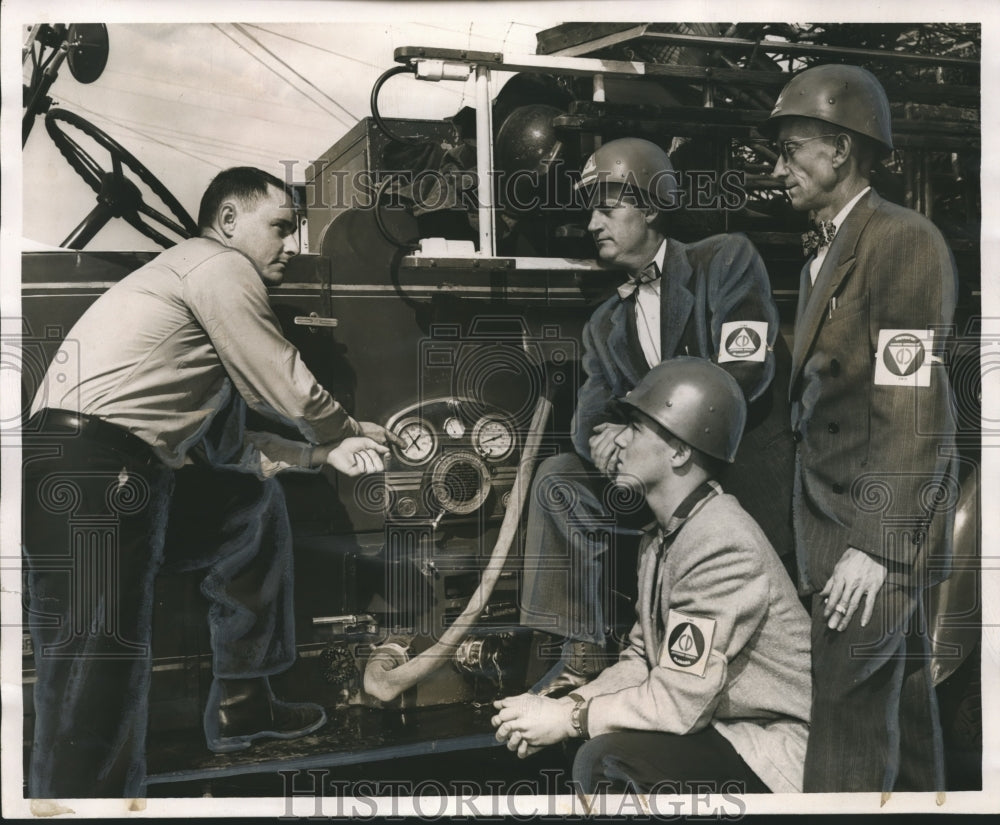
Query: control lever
[437, 520]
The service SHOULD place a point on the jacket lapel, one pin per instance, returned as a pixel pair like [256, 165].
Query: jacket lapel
[676, 300]
[623, 342]
[839, 261]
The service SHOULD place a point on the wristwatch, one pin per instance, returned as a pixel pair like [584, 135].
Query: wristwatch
[578, 715]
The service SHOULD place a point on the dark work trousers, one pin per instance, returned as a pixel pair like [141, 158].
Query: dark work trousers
[572, 516]
[99, 524]
[649, 762]
[875, 724]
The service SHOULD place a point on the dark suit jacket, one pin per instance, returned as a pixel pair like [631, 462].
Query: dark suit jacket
[705, 284]
[871, 455]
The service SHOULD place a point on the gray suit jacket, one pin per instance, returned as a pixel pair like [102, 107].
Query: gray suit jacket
[755, 688]
[717, 280]
[872, 456]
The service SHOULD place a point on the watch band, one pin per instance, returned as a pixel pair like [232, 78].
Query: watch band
[578, 715]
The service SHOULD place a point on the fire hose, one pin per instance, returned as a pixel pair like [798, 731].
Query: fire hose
[385, 676]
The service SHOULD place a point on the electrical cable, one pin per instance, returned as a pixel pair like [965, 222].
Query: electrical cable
[389, 133]
[380, 218]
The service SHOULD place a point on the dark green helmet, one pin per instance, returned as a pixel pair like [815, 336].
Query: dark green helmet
[632, 162]
[846, 96]
[697, 401]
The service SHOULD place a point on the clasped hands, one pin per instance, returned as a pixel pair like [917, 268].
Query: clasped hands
[528, 723]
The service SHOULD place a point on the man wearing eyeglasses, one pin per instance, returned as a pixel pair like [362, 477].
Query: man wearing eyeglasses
[872, 418]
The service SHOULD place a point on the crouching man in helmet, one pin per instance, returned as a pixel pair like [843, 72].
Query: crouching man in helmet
[710, 299]
[714, 684]
[871, 412]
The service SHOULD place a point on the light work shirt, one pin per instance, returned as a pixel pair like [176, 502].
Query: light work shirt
[160, 353]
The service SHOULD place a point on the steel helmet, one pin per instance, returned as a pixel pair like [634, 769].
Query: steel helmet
[527, 140]
[697, 401]
[846, 96]
[632, 162]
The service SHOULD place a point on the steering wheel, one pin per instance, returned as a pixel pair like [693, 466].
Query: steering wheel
[117, 196]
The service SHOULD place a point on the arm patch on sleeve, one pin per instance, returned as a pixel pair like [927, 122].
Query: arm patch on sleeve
[687, 643]
[903, 358]
[743, 341]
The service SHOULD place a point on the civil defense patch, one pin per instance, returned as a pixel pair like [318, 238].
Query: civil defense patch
[743, 341]
[687, 643]
[903, 358]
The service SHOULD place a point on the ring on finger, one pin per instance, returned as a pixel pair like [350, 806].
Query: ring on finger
[841, 609]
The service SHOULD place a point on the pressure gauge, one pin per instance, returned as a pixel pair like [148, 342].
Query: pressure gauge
[419, 440]
[454, 427]
[493, 438]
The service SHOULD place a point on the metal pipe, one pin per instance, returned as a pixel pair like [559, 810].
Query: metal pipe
[786, 48]
[599, 96]
[484, 161]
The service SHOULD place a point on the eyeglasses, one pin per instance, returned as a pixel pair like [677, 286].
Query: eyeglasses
[788, 148]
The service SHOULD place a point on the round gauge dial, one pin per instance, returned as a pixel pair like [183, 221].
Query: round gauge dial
[454, 427]
[493, 438]
[419, 440]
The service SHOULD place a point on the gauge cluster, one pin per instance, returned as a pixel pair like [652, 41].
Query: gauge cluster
[458, 458]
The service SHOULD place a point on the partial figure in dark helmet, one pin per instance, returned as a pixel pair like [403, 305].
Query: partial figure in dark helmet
[872, 415]
[710, 299]
[713, 687]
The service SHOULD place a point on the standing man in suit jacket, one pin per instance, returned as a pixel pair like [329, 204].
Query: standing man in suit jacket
[871, 412]
[710, 299]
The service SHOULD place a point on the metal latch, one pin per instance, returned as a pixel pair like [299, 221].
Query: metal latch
[314, 320]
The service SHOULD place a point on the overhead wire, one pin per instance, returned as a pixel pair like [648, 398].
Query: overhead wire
[279, 74]
[195, 137]
[468, 34]
[313, 45]
[198, 88]
[301, 77]
[137, 132]
[217, 109]
[203, 145]
[330, 51]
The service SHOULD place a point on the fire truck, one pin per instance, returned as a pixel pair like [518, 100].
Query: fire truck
[445, 279]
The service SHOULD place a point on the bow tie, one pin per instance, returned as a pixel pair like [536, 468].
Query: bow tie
[815, 239]
[649, 273]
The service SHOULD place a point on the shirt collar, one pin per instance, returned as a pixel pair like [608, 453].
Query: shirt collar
[841, 216]
[661, 256]
[687, 508]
